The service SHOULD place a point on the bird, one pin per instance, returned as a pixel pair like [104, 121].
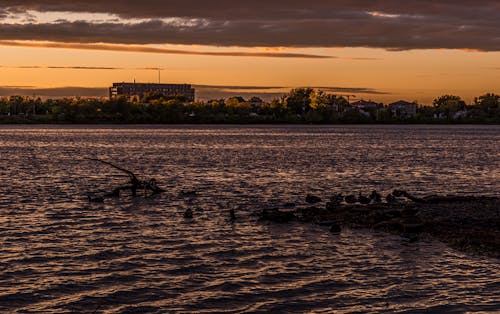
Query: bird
[350, 199]
[391, 199]
[232, 215]
[311, 199]
[363, 199]
[336, 198]
[399, 193]
[98, 199]
[376, 197]
[188, 214]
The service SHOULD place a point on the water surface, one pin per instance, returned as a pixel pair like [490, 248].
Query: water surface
[58, 253]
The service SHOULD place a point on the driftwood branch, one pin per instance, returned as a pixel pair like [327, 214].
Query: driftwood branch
[134, 184]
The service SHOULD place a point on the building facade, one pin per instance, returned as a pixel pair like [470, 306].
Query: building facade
[403, 108]
[130, 90]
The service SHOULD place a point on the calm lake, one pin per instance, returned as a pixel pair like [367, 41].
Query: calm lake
[61, 254]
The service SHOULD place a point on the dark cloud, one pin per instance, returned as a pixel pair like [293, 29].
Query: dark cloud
[53, 92]
[145, 49]
[234, 87]
[351, 90]
[64, 67]
[390, 24]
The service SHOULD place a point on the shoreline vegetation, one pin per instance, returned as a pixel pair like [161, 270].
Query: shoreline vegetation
[299, 106]
[470, 224]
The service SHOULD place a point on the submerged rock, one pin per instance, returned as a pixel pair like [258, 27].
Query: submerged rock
[312, 199]
[188, 214]
[335, 229]
[275, 215]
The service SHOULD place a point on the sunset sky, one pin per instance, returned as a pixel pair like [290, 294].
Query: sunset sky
[380, 50]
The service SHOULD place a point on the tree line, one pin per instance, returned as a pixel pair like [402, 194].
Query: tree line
[301, 105]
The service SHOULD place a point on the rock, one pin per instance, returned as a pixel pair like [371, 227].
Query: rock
[350, 199]
[97, 199]
[188, 214]
[310, 213]
[409, 212]
[391, 199]
[327, 223]
[364, 200]
[312, 199]
[331, 206]
[393, 225]
[335, 229]
[337, 198]
[413, 228]
[376, 197]
[399, 193]
[187, 193]
[278, 216]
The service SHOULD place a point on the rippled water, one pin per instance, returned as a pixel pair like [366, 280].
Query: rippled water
[59, 254]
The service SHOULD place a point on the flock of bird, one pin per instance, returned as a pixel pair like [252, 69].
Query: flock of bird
[374, 197]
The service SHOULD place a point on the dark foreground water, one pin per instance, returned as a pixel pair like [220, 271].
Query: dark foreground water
[60, 254]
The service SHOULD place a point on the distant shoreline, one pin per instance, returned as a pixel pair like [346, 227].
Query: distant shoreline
[243, 123]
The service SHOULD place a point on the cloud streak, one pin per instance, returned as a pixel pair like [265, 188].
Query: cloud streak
[388, 24]
[145, 49]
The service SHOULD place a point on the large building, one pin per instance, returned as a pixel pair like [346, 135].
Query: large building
[130, 90]
[403, 108]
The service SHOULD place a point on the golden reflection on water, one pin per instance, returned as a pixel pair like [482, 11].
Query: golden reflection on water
[61, 254]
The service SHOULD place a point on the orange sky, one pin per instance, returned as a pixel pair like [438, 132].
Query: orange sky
[414, 75]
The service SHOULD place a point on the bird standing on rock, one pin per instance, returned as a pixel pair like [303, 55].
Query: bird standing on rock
[391, 199]
[363, 199]
[336, 198]
[376, 197]
[399, 193]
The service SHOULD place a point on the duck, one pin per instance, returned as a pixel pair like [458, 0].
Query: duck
[350, 199]
[188, 214]
[399, 193]
[336, 198]
[376, 197]
[391, 199]
[312, 199]
[97, 199]
[363, 199]
[232, 215]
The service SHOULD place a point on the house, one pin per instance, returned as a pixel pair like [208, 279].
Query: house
[366, 105]
[403, 108]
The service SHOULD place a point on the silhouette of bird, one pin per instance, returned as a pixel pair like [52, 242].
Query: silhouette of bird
[399, 193]
[311, 199]
[363, 199]
[232, 215]
[98, 199]
[188, 214]
[391, 199]
[376, 197]
[336, 198]
[350, 199]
